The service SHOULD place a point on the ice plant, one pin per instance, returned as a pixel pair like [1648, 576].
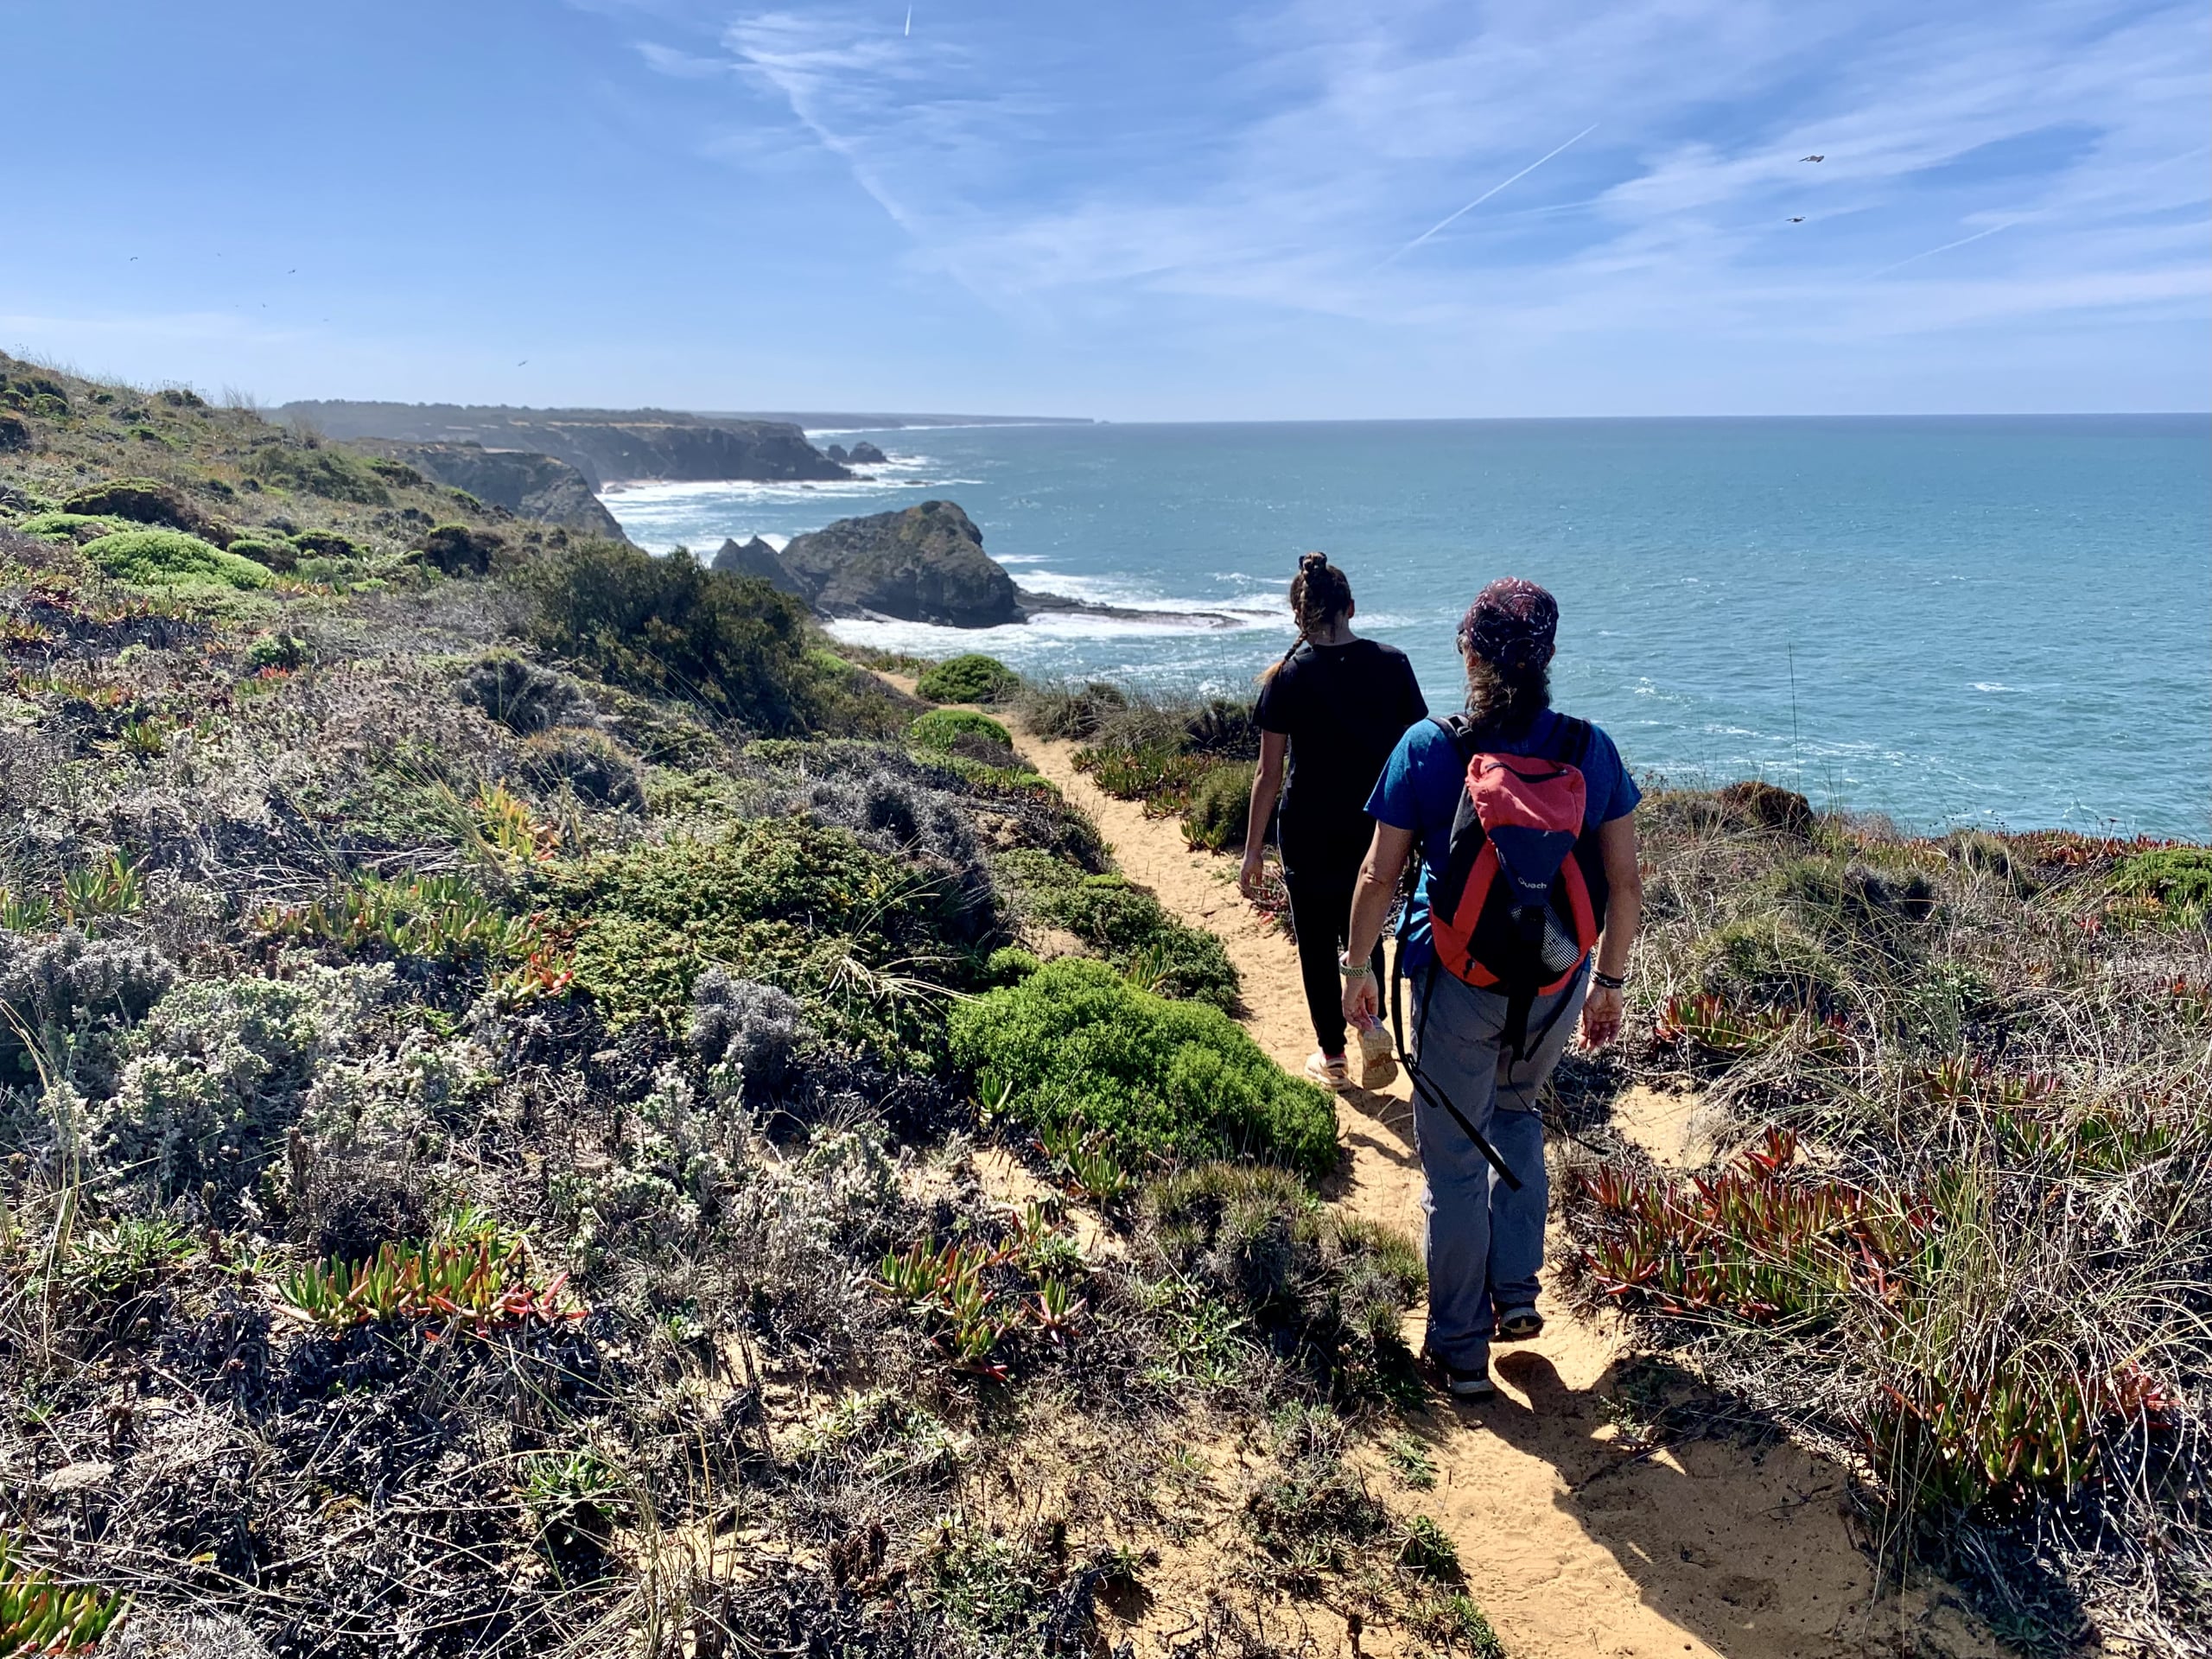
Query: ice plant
[945, 1287]
[1705, 1020]
[1750, 1243]
[2031, 1425]
[38, 1615]
[484, 1286]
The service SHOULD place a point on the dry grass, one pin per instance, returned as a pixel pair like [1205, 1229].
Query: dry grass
[1985, 1276]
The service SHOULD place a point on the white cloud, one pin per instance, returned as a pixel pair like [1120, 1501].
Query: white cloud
[1281, 175]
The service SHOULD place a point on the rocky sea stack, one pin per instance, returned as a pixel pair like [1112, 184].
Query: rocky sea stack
[757, 558]
[924, 563]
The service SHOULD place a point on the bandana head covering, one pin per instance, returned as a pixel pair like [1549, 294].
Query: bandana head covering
[1513, 625]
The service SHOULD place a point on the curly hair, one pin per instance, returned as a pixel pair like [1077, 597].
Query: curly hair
[1507, 637]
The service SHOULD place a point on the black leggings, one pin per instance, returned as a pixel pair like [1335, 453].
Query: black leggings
[1321, 878]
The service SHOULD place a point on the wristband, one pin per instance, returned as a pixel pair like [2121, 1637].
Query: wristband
[1607, 982]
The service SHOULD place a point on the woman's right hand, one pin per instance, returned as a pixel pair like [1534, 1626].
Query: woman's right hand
[1252, 880]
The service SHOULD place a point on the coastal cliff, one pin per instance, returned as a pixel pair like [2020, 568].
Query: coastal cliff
[529, 486]
[603, 445]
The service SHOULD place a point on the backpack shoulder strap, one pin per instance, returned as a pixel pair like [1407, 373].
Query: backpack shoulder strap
[1460, 728]
[1574, 740]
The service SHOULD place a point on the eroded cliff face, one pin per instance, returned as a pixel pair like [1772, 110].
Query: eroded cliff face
[607, 446]
[924, 563]
[529, 486]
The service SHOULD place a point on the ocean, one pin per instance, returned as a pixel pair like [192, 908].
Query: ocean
[1966, 620]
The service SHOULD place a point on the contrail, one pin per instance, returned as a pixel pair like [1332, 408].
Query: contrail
[1486, 196]
[1929, 253]
[909, 22]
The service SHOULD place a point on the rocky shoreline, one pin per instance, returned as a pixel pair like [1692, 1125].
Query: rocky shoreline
[924, 563]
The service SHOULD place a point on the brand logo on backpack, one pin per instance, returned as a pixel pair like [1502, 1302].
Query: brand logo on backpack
[1520, 899]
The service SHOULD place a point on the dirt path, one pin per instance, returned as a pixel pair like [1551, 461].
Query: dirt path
[1573, 1545]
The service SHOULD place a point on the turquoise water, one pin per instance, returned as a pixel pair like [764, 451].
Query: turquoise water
[1966, 620]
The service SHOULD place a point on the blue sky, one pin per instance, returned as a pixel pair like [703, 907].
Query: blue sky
[1127, 209]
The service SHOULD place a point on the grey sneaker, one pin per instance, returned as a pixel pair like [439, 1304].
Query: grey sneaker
[1378, 1066]
[1520, 1325]
[1464, 1384]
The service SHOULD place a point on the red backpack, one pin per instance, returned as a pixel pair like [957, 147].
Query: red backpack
[1521, 898]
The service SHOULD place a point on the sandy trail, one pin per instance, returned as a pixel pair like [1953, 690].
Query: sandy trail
[1574, 1543]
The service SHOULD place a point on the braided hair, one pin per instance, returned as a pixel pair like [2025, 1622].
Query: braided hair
[1320, 595]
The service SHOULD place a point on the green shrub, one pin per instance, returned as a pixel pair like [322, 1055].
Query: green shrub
[786, 902]
[328, 545]
[941, 728]
[2179, 878]
[276, 556]
[1130, 928]
[1075, 1048]
[1037, 874]
[1328, 1286]
[1764, 963]
[1010, 964]
[78, 527]
[318, 471]
[970, 678]
[282, 651]
[1851, 904]
[169, 558]
[459, 551]
[1221, 806]
[669, 625]
[146, 501]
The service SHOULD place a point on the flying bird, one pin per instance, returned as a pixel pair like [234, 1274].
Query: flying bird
[294, 271]
[1812, 158]
[523, 363]
[1798, 220]
[133, 259]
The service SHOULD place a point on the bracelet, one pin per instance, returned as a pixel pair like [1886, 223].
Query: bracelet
[1607, 982]
[1361, 969]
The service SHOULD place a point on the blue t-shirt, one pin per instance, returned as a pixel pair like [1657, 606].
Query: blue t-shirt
[1420, 791]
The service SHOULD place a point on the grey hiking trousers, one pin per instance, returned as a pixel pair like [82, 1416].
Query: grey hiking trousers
[1485, 1242]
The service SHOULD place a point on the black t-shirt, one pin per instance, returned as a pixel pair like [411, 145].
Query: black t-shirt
[1343, 708]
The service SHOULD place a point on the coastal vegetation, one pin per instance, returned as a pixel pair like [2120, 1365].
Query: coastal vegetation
[1946, 1216]
[538, 1112]
[547, 1107]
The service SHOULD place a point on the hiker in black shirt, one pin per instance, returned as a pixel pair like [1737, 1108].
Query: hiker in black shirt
[1337, 704]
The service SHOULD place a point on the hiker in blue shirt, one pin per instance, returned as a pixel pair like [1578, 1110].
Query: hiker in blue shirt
[1480, 1055]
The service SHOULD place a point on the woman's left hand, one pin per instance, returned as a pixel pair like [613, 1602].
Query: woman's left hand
[1601, 1016]
[1252, 878]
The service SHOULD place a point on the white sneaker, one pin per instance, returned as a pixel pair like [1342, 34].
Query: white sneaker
[1331, 1074]
[1378, 1066]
